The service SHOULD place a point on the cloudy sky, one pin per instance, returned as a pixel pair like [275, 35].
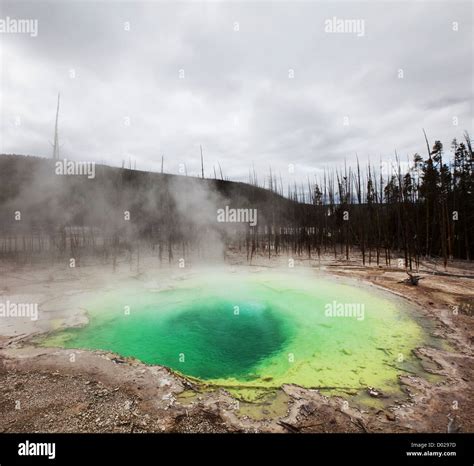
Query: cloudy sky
[257, 83]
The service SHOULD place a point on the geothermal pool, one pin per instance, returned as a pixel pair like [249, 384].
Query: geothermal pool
[262, 329]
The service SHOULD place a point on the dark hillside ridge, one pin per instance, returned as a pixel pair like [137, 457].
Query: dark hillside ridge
[29, 185]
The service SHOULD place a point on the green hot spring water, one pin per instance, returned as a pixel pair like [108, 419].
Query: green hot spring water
[258, 330]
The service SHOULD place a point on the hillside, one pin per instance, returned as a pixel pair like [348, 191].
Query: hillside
[31, 186]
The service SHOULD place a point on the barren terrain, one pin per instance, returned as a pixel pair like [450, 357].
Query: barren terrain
[45, 390]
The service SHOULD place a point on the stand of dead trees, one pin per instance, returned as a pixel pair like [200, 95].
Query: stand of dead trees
[424, 210]
[376, 213]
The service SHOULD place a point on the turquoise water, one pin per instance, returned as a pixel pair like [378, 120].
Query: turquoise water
[258, 330]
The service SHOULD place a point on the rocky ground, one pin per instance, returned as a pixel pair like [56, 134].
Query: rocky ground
[47, 390]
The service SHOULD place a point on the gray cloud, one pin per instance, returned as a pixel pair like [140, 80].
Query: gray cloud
[236, 98]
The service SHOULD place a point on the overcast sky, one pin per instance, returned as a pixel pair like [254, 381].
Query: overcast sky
[237, 98]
